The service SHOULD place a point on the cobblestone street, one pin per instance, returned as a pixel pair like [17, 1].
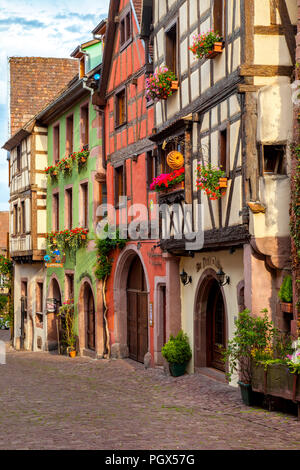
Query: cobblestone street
[49, 401]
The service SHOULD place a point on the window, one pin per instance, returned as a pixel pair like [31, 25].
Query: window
[15, 219]
[125, 30]
[151, 167]
[219, 16]
[56, 212]
[39, 297]
[273, 159]
[69, 134]
[121, 115]
[84, 205]
[23, 219]
[223, 149]
[18, 158]
[56, 143]
[119, 183]
[84, 125]
[102, 200]
[69, 208]
[171, 48]
[70, 286]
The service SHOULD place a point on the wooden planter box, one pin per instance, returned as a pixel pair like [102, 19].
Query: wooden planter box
[286, 307]
[276, 381]
[174, 85]
[218, 49]
[177, 187]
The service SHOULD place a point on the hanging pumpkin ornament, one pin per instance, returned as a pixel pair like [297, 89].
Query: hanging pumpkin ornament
[175, 160]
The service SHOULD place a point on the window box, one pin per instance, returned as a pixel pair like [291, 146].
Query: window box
[286, 307]
[218, 49]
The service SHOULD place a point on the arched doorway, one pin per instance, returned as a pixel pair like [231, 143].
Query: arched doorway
[90, 321]
[215, 327]
[137, 311]
[210, 323]
[53, 304]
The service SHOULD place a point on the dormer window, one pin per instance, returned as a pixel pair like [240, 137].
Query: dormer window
[125, 29]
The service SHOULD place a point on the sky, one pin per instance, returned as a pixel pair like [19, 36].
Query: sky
[42, 28]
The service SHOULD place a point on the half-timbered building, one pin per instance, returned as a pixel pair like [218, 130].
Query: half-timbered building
[232, 109]
[138, 286]
[27, 147]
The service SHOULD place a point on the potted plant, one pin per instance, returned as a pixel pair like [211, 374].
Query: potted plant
[252, 341]
[177, 352]
[81, 158]
[168, 181]
[285, 294]
[66, 312]
[212, 180]
[161, 84]
[65, 166]
[52, 171]
[207, 45]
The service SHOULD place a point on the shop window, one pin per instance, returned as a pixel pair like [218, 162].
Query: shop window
[56, 143]
[69, 134]
[171, 48]
[84, 126]
[273, 159]
[120, 108]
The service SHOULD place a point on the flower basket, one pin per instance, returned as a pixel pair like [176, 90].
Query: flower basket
[168, 181]
[218, 48]
[161, 84]
[286, 307]
[207, 45]
[211, 180]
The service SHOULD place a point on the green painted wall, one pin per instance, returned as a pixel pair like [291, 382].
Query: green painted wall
[85, 260]
[95, 55]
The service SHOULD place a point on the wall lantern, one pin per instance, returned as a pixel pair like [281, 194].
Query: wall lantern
[185, 279]
[223, 279]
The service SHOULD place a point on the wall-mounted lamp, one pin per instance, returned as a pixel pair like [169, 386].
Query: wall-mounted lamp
[223, 279]
[185, 279]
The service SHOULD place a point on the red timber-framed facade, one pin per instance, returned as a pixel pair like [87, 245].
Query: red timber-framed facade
[138, 291]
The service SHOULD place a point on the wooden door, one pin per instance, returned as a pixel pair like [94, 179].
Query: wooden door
[90, 315]
[216, 331]
[137, 312]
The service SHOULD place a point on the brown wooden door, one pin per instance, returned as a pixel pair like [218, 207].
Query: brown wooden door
[90, 313]
[216, 334]
[137, 312]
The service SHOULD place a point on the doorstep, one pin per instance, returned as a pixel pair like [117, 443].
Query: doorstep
[89, 353]
[214, 374]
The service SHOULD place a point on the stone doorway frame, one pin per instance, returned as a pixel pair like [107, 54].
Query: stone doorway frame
[82, 318]
[119, 348]
[200, 310]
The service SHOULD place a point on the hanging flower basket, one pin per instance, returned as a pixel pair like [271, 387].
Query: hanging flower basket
[211, 180]
[161, 84]
[168, 181]
[207, 45]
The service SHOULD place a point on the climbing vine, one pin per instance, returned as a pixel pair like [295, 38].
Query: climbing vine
[109, 242]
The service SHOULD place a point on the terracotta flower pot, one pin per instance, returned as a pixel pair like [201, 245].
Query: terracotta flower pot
[174, 85]
[72, 353]
[223, 182]
[218, 48]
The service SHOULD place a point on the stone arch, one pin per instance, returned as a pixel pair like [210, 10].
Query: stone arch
[205, 283]
[120, 347]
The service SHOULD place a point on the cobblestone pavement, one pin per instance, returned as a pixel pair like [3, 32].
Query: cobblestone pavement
[55, 402]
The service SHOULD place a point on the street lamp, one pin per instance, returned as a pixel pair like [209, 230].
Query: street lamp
[223, 279]
[185, 279]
